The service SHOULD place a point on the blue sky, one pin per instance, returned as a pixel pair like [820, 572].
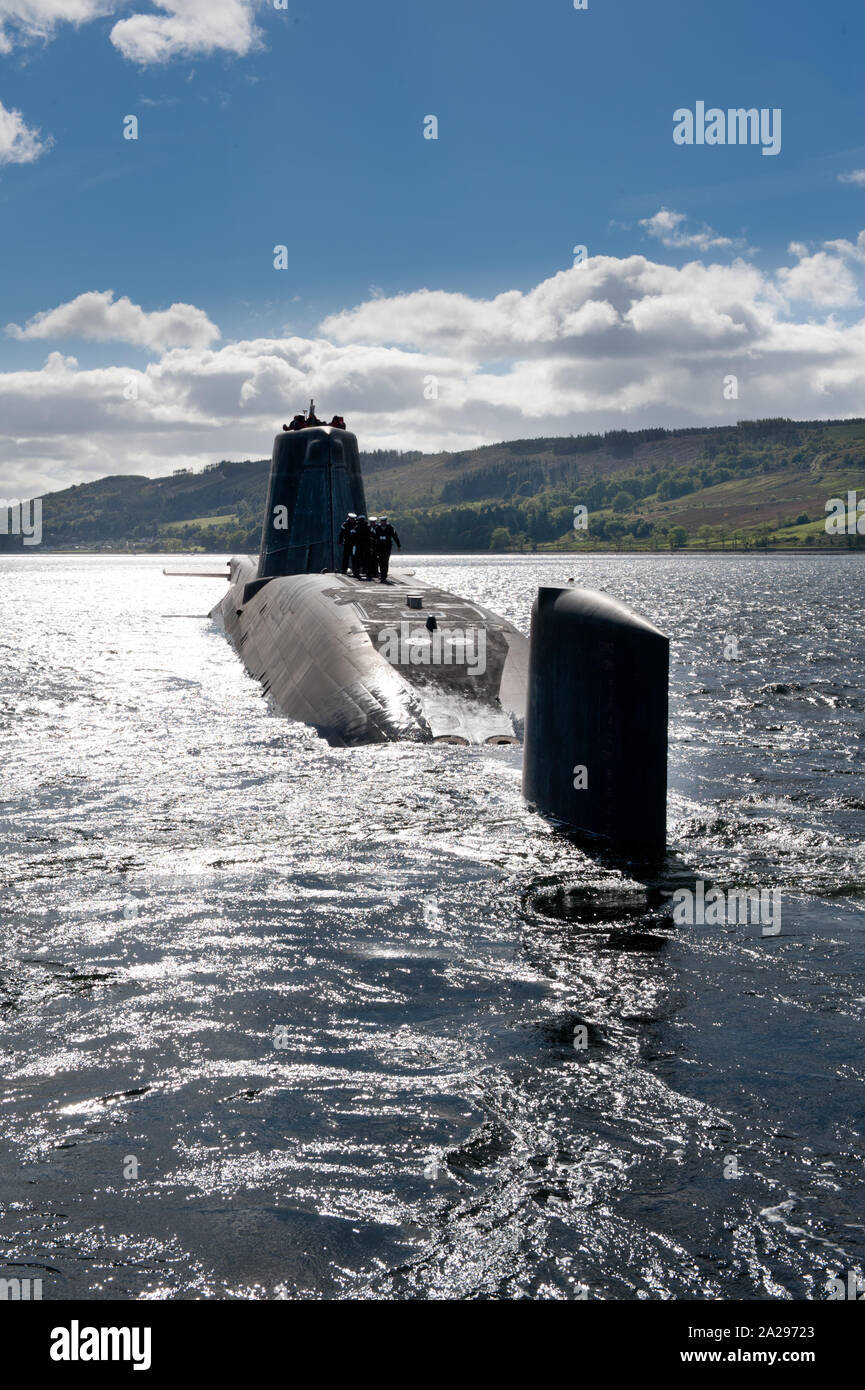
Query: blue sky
[304, 127]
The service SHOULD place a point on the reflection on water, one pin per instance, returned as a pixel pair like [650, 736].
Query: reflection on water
[286, 1020]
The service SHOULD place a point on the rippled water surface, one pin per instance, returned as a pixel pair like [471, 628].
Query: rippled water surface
[281, 1020]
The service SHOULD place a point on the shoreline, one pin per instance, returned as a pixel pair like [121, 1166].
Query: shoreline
[684, 552]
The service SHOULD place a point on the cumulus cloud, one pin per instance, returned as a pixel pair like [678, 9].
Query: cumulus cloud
[607, 306]
[23, 21]
[188, 28]
[823, 279]
[98, 316]
[854, 176]
[669, 227]
[607, 344]
[19, 143]
[855, 251]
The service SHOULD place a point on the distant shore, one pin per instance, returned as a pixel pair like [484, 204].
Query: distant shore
[690, 552]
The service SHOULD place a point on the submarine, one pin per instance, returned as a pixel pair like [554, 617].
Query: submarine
[361, 661]
[373, 662]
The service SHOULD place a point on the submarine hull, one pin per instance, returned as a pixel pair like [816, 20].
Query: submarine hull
[362, 662]
[359, 662]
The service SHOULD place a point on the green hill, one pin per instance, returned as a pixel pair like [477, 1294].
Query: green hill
[759, 482]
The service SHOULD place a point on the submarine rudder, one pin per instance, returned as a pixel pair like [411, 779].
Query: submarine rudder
[595, 755]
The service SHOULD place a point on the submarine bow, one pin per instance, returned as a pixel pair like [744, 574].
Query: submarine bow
[356, 660]
[315, 480]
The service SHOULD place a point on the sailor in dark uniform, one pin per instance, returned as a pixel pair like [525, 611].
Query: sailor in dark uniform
[346, 540]
[385, 535]
[360, 560]
[372, 570]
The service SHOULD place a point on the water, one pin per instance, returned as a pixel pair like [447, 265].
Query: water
[280, 1020]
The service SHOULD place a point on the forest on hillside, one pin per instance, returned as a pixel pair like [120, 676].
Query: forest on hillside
[757, 483]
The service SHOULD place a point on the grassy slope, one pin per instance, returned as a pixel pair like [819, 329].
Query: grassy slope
[528, 487]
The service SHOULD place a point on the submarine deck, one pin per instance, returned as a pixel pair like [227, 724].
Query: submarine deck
[361, 659]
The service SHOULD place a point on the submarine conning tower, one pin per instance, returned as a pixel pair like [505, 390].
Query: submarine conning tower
[315, 480]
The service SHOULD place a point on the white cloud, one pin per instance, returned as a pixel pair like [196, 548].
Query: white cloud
[23, 21]
[98, 316]
[608, 344]
[669, 227]
[189, 28]
[822, 279]
[855, 251]
[588, 310]
[19, 143]
[186, 28]
[855, 176]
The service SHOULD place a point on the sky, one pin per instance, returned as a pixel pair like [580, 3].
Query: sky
[555, 261]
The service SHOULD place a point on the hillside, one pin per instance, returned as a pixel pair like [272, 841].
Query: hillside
[763, 482]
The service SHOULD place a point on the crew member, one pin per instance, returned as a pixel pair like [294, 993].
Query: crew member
[346, 538]
[297, 423]
[385, 536]
[361, 559]
[372, 571]
[337, 422]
